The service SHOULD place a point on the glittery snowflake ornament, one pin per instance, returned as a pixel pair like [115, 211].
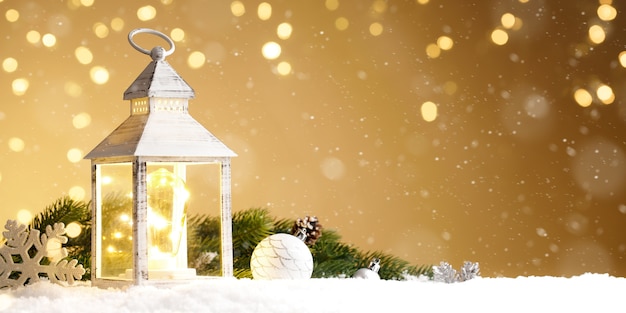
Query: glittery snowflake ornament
[23, 251]
[469, 271]
[446, 274]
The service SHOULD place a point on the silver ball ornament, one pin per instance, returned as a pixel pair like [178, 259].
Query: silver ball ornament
[366, 273]
[371, 272]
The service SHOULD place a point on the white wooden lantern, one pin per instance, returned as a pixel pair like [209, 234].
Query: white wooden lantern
[138, 176]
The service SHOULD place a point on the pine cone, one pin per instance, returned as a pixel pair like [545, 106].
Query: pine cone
[307, 229]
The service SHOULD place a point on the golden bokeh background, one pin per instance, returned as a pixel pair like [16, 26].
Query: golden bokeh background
[487, 131]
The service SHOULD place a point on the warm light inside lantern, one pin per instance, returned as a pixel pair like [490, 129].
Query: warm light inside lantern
[166, 220]
[167, 211]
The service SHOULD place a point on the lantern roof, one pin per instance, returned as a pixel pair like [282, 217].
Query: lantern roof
[160, 125]
[159, 79]
[161, 134]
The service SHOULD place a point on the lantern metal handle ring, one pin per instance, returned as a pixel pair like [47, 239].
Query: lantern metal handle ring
[157, 53]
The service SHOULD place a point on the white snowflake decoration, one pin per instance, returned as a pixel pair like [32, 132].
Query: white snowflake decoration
[21, 255]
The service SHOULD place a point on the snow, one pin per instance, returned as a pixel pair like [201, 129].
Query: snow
[584, 293]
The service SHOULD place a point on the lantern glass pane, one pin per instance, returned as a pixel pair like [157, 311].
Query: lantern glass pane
[167, 215]
[114, 246]
[203, 181]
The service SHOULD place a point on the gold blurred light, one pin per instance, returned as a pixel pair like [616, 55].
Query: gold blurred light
[73, 229]
[19, 85]
[81, 120]
[422, 1]
[72, 4]
[433, 51]
[622, 58]
[283, 68]
[16, 144]
[450, 87]
[117, 24]
[379, 6]
[100, 30]
[73, 89]
[12, 15]
[596, 34]
[518, 24]
[264, 11]
[607, 12]
[331, 5]
[429, 111]
[77, 193]
[33, 36]
[24, 216]
[74, 155]
[376, 29]
[237, 8]
[605, 94]
[177, 34]
[271, 50]
[342, 23]
[9, 65]
[86, 3]
[49, 40]
[99, 75]
[507, 20]
[499, 37]
[284, 30]
[196, 59]
[83, 55]
[146, 13]
[333, 168]
[445, 43]
[583, 97]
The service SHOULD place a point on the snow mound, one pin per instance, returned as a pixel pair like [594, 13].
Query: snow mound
[585, 293]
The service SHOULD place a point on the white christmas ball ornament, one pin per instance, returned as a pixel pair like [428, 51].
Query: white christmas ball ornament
[281, 256]
[366, 273]
[371, 272]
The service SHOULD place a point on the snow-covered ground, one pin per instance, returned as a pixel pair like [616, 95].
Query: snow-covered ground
[585, 293]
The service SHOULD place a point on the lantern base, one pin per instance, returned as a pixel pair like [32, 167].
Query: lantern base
[167, 274]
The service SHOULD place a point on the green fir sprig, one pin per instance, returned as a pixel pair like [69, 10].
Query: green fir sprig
[332, 257]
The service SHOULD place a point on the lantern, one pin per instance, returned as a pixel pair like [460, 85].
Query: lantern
[139, 176]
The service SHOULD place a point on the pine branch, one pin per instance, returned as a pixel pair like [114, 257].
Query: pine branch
[282, 226]
[392, 267]
[332, 257]
[64, 210]
[250, 227]
[203, 233]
